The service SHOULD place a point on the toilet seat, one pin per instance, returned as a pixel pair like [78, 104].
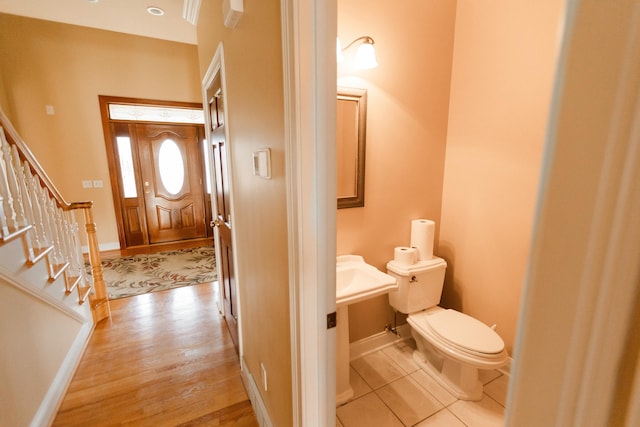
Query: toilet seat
[460, 335]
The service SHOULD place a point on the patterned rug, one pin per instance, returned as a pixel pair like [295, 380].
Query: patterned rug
[140, 274]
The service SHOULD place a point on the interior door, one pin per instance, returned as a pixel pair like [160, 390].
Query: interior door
[222, 205]
[171, 175]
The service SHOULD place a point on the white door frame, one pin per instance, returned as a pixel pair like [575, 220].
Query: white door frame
[309, 29]
[577, 334]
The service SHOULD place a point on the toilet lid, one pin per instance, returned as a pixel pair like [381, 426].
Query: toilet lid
[465, 331]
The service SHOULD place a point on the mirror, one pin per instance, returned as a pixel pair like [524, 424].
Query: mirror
[351, 125]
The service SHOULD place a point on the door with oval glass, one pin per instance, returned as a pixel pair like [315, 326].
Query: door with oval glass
[172, 181]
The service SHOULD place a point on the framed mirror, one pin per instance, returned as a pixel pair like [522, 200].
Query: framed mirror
[351, 125]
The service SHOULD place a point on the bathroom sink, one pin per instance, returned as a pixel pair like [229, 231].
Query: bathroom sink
[356, 280]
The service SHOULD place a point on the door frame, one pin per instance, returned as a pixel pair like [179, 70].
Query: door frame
[216, 66]
[112, 161]
[309, 30]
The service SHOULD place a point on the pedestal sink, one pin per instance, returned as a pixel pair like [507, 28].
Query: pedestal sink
[355, 281]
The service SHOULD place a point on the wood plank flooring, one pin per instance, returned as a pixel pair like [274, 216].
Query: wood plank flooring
[164, 359]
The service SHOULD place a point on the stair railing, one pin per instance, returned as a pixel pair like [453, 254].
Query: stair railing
[32, 208]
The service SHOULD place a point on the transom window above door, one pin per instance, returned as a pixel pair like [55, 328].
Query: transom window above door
[151, 113]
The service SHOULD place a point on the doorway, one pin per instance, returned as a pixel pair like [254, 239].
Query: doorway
[158, 171]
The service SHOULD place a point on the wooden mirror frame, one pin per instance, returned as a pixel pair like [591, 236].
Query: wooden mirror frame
[360, 97]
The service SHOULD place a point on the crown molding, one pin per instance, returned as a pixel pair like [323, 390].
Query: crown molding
[190, 11]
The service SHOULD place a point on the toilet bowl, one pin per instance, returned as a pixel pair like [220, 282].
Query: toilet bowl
[451, 346]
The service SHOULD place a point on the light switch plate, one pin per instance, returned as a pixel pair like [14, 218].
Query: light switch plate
[262, 163]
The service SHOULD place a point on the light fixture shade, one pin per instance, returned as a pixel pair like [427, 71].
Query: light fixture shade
[339, 56]
[366, 56]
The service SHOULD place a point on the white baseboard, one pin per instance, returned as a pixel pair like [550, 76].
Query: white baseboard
[254, 395]
[378, 341]
[111, 246]
[52, 400]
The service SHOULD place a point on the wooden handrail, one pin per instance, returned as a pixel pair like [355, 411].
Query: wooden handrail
[37, 169]
[99, 298]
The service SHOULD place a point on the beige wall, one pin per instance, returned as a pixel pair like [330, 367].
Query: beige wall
[254, 103]
[503, 69]
[67, 66]
[36, 338]
[408, 98]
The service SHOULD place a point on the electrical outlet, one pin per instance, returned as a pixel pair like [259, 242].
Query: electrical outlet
[86, 183]
[263, 371]
[97, 183]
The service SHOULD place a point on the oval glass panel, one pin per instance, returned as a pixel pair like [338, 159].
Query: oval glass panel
[171, 166]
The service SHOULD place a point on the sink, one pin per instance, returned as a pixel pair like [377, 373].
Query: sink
[356, 280]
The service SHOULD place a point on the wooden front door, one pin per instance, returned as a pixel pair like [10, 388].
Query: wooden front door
[221, 204]
[172, 184]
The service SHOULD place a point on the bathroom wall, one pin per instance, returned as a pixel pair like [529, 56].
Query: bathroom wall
[408, 99]
[68, 66]
[503, 67]
[255, 107]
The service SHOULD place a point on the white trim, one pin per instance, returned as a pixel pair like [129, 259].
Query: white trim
[262, 415]
[378, 341]
[52, 294]
[103, 247]
[309, 31]
[191, 10]
[589, 347]
[48, 408]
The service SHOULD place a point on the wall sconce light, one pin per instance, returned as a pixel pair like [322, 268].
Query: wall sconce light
[365, 57]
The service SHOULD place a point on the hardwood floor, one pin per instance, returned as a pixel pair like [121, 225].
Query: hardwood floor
[164, 359]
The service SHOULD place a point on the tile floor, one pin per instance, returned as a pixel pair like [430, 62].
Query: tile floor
[391, 390]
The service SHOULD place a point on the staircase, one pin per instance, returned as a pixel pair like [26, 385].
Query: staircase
[48, 303]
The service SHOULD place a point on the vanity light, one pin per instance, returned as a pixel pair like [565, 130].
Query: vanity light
[365, 57]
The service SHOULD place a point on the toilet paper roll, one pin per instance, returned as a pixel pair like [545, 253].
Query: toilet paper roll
[405, 256]
[422, 232]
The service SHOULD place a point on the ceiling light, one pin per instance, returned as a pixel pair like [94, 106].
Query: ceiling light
[155, 11]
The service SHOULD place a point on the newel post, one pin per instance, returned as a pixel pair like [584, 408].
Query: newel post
[99, 301]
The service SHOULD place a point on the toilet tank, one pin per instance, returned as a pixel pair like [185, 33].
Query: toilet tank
[419, 285]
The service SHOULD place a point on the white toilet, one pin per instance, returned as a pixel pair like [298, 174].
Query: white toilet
[451, 345]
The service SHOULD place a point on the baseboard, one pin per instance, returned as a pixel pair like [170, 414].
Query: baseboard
[378, 341]
[49, 407]
[103, 247]
[254, 395]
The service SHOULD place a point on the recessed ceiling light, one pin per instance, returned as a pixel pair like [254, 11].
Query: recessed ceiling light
[156, 11]
[93, 1]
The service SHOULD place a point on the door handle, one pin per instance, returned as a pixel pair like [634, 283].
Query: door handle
[215, 223]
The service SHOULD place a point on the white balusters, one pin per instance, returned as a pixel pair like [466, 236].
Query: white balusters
[33, 188]
[5, 191]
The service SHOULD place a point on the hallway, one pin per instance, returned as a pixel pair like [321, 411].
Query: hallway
[164, 359]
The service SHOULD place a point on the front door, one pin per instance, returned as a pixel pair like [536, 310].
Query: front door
[222, 205]
[171, 181]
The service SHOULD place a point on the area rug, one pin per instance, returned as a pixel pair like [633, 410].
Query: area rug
[140, 274]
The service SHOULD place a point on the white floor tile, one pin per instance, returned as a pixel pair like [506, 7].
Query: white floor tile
[433, 387]
[497, 389]
[488, 375]
[359, 386]
[402, 353]
[484, 413]
[443, 418]
[377, 369]
[367, 411]
[408, 400]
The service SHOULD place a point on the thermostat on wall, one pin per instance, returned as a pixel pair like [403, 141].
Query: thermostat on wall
[262, 163]
[232, 12]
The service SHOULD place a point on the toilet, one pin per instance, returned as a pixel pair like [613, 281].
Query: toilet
[451, 346]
